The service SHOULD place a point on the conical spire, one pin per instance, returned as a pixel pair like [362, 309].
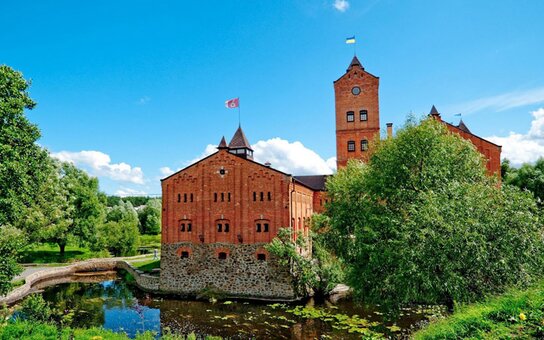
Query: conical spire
[354, 62]
[239, 140]
[463, 127]
[222, 144]
[434, 112]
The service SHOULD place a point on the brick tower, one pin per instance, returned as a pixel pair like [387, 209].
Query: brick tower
[357, 113]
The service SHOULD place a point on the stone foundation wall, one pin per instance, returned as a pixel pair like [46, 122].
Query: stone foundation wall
[240, 275]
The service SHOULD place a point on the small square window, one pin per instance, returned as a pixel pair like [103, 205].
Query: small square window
[364, 145]
[261, 257]
[184, 254]
[350, 116]
[351, 146]
[222, 256]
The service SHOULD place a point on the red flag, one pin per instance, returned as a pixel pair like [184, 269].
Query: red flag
[232, 103]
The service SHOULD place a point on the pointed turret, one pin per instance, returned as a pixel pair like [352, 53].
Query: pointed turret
[354, 62]
[222, 144]
[239, 145]
[434, 112]
[463, 127]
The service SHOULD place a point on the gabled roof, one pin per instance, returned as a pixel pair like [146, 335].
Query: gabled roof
[354, 62]
[463, 127]
[315, 182]
[222, 143]
[239, 140]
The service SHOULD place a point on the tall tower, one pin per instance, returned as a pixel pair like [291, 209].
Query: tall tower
[357, 113]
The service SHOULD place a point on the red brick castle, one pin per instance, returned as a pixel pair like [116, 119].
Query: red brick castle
[220, 212]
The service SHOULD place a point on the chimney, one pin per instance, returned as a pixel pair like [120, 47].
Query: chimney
[267, 164]
[389, 130]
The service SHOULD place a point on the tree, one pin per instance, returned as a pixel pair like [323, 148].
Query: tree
[11, 242]
[120, 232]
[421, 222]
[529, 177]
[23, 165]
[150, 217]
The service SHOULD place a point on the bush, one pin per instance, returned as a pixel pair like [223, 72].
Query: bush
[35, 308]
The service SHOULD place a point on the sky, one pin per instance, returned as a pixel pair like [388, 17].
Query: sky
[131, 91]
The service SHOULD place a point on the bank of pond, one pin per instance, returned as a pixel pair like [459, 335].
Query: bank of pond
[112, 304]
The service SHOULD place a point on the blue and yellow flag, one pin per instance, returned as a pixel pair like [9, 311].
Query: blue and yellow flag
[350, 40]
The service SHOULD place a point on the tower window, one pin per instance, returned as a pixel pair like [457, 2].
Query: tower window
[189, 227]
[191, 197]
[363, 115]
[184, 254]
[258, 227]
[228, 197]
[179, 198]
[226, 228]
[351, 146]
[219, 227]
[261, 257]
[222, 256]
[182, 227]
[269, 196]
[350, 116]
[262, 196]
[265, 227]
[184, 198]
[222, 197]
[364, 145]
[215, 197]
[254, 196]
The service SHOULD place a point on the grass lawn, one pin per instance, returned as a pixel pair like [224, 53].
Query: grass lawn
[147, 266]
[515, 314]
[50, 253]
[150, 241]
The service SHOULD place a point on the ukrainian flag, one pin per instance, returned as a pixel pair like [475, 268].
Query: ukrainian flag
[350, 40]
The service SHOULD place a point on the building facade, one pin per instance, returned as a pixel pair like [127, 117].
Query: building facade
[219, 213]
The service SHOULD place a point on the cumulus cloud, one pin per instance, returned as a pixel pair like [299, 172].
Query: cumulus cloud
[124, 192]
[99, 164]
[502, 102]
[166, 171]
[341, 5]
[524, 148]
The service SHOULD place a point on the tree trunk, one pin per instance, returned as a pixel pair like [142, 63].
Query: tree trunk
[62, 246]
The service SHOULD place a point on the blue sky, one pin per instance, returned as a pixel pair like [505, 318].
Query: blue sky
[130, 90]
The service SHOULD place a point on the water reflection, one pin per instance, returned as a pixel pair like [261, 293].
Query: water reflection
[115, 305]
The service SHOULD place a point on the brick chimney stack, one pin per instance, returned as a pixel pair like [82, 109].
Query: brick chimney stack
[389, 130]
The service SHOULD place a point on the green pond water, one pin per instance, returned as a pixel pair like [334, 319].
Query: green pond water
[116, 305]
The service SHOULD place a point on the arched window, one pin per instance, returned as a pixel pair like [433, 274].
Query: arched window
[222, 225]
[364, 145]
[262, 226]
[351, 146]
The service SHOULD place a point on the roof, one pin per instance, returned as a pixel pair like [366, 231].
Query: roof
[239, 140]
[315, 182]
[354, 62]
[470, 133]
[434, 111]
[222, 143]
[463, 127]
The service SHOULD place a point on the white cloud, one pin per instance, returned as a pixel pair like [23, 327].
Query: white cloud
[99, 164]
[341, 5]
[144, 100]
[124, 192]
[524, 148]
[502, 102]
[293, 158]
[166, 171]
[210, 148]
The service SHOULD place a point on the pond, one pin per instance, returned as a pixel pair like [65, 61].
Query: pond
[116, 305]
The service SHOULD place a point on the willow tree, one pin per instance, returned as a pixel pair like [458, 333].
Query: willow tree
[421, 222]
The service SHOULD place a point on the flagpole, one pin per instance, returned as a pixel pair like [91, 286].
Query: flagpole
[239, 121]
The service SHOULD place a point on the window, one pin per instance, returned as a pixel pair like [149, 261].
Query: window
[269, 196]
[261, 257]
[179, 198]
[182, 227]
[184, 254]
[262, 196]
[185, 198]
[219, 227]
[364, 145]
[350, 116]
[228, 197]
[189, 227]
[191, 197]
[351, 146]
[226, 228]
[222, 197]
[258, 227]
[254, 196]
[215, 197]
[363, 115]
[265, 227]
[222, 256]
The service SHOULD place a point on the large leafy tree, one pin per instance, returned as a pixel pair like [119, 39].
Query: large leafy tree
[120, 234]
[150, 217]
[23, 164]
[421, 222]
[11, 241]
[528, 176]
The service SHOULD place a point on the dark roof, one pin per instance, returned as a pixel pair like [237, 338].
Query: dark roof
[315, 182]
[434, 112]
[463, 127]
[354, 62]
[239, 140]
[222, 143]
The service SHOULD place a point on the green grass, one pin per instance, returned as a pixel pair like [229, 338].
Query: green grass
[18, 283]
[147, 266]
[515, 314]
[150, 241]
[50, 253]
